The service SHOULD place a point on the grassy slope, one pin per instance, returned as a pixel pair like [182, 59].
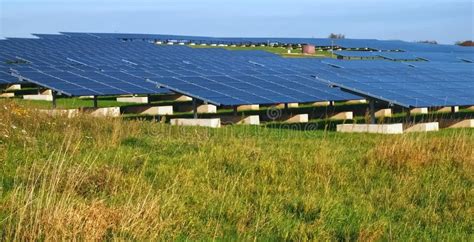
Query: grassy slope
[107, 178]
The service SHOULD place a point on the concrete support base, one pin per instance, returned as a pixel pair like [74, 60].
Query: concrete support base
[343, 116]
[464, 124]
[248, 120]
[48, 92]
[132, 99]
[70, 113]
[290, 105]
[86, 97]
[371, 128]
[103, 112]
[360, 101]
[384, 113]
[321, 104]
[248, 107]
[149, 110]
[14, 87]
[211, 123]
[299, 118]
[207, 108]
[7, 94]
[39, 97]
[177, 97]
[419, 111]
[448, 109]
[423, 127]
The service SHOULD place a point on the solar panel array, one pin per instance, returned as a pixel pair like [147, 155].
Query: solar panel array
[422, 84]
[369, 44]
[53, 63]
[89, 65]
[79, 64]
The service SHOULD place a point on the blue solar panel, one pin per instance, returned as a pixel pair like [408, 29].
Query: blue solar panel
[106, 64]
[417, 85]
[360, 54]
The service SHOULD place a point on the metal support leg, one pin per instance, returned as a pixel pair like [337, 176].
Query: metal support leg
[195, 108]
[372, 111]
[54, 99]
[235, 110]
[408, 116]
[453, 109]
[95, 102]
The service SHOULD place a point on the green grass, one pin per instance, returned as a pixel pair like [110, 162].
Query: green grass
[296, 53]
[114, 179]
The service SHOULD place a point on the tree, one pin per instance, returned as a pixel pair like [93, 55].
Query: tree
[336, 36]
[465, 43]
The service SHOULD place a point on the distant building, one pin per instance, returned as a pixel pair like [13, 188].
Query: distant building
[309, 49]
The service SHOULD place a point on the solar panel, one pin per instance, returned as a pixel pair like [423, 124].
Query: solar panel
[111, 64]
[424, 85]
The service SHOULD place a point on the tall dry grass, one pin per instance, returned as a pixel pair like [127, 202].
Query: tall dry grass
[97, 179]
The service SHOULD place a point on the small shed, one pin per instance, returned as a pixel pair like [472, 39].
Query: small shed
[309, 49]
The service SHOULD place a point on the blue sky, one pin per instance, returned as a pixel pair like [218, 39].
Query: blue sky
[443, 20]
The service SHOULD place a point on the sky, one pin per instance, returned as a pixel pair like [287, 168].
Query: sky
[445, 21]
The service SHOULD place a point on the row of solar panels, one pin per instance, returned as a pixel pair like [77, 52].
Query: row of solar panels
[82, 65]
[372, 44]
[409, 56]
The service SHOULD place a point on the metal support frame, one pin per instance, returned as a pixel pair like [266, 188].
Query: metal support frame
[195, 113]
[54, 99]
[372, 111]
[95, 102]
[453, 109]
[408, 115]
[235, 110]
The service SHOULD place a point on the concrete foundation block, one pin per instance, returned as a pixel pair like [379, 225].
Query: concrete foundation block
[247, 120]
[86, 97]
[46, 92]
[423, 127]
[360, 101]
[70, 113]
[7, 94]
[419, 111]
[290, 105]
[149, 110]
[177, 97]
[464, 124]
[207, 108]
[211, 123]
[38, 97]
[299, 118]
[14, 87]
[321, 104]
[384, 113]
[132, 99]
[449, 109]
[103, 112]
[248, 107]
[343, 116]
[371, 128]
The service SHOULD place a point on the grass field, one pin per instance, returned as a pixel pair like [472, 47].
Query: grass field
[295, 53]
[112, 179]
